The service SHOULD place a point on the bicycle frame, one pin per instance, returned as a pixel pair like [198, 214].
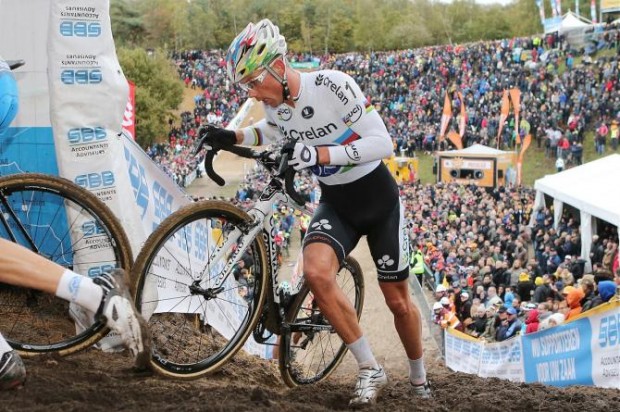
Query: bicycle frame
[262, 214]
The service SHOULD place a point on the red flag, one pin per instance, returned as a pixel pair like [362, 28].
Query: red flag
[129, 118]
[455, 138]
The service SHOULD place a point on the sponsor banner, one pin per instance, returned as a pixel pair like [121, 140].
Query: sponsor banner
[462, 352]
[502, 360]
[88, 101]
[584, 351]
[560, 356]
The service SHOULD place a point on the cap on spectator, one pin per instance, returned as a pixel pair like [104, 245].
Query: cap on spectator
[511, 311]
[567, 290]
[567, 257]
[440, 288]
[559, 285]
[465, 295]
[437, 306]
[538, 281]
[502, 309]
[524, 277]
[444, 301]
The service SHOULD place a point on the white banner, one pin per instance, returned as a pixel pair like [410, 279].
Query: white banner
[88, 96]
[584, 351]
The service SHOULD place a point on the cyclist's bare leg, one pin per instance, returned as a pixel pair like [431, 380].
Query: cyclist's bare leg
[320, 269]
[21, 267]
[407, 318]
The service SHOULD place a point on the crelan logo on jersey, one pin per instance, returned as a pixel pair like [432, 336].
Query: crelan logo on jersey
[336, 89]
[313, 133]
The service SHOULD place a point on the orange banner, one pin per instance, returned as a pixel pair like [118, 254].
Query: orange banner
[463, 118]
[455, 138]
[445, 117]
[515, 97]
[504, 115]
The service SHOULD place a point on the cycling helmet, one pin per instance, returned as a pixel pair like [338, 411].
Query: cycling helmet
[255, 47]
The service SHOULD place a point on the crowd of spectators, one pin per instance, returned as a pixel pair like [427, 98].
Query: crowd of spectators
[500, 268]
[561, 99]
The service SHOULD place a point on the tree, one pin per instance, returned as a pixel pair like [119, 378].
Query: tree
[127, 24]
[158, 91]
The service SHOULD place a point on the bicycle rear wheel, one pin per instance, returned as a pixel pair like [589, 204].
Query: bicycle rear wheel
[70, 226]
[197, 326]
[311, 349]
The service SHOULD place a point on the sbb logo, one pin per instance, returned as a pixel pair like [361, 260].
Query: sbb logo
[81, 76]
[86, 135]
[95, 180]
[92, 228]
[80, 29]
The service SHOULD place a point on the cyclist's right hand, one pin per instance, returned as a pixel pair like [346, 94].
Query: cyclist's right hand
[212, 137]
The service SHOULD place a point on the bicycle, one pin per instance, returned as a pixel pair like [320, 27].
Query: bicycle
[198, 321]
[67, 224]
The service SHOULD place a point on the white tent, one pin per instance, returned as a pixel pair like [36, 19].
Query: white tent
[574, 28]
[590, 188]
[571, 21]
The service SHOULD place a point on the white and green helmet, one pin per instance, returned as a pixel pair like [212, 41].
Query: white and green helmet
[255, 47]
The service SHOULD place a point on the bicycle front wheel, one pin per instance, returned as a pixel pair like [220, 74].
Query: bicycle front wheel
[70, 226]
[197, 318]
[311, 349]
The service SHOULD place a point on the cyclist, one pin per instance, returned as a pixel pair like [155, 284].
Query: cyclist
[106, 295]
[330, 127]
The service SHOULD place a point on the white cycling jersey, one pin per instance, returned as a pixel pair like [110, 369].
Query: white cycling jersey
[330, 110]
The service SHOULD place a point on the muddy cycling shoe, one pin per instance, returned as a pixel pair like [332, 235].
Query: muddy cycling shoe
[422, 391]
[118, 311]
[370, 384]
[12, 371]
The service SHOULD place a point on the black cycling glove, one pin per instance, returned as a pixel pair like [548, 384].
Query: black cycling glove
[215, 138]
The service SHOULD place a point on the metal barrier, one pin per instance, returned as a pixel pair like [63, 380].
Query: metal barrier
[426, 306]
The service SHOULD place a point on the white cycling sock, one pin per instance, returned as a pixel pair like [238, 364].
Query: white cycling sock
[417, 373]
[4, 346]
[80, 290]
[363, 354]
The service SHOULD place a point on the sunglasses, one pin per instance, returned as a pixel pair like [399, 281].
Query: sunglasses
[251, 84]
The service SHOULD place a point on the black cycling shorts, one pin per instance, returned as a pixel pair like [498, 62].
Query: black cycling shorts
[369, 206]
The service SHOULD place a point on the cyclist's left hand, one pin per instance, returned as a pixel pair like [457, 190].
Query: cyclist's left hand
[302, 156]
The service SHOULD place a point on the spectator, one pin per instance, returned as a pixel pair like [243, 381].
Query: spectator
[510, 326]
[573, 300]
[532, 321]
[477, 327]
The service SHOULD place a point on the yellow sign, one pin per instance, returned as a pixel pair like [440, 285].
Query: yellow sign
[610, 4]
[404, 169]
